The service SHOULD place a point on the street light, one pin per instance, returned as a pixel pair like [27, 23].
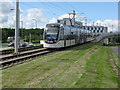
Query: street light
[16, 43]
[17, 27]
[35, 21]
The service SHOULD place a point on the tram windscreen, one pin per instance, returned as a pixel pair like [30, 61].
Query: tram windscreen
[51, 33]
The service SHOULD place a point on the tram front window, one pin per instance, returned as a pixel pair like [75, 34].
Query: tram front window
[51, 37]
[51, 34]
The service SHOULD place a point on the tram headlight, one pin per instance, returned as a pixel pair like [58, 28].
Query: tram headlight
[51, 41]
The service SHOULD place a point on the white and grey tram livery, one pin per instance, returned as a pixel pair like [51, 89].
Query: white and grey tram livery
[58, 35]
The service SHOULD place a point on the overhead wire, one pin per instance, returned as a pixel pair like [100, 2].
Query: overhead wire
[50, 8]
[71, 7]
[76, 9]
[28, 5]
[60, 8]
[50, 4]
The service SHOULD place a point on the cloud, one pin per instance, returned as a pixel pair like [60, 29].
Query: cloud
[5, 13]
[67, 16]
[8, 20]
[6, 6]
[111, 24]
[37, 15]
[3, 19]
[63, 16]
[53, 20]
[7, 16]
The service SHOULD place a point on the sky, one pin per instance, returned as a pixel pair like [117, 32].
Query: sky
[48, 12]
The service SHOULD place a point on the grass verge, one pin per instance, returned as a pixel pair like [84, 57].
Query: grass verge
[84, 66]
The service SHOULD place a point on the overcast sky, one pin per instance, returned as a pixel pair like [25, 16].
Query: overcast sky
[47, 12]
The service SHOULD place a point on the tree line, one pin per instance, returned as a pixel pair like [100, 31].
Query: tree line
[25, 34]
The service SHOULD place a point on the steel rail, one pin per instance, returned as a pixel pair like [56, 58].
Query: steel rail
[11, 60]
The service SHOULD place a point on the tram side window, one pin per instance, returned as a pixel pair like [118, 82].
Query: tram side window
[64, 22]
[88, 28]
[83, 27]
[71, 32]
[58, 21]
[91, 28]
[102, 28]
[95, 28]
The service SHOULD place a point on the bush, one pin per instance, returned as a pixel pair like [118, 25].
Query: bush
[36, 34]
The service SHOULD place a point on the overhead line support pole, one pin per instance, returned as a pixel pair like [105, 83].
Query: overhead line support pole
[17, 27]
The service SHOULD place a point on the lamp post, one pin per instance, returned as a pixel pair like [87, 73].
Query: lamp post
[17, 27]
[35, 21]
[30, 37]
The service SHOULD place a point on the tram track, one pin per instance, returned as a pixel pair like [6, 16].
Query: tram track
[8, 60]
[10, 51]
[14, 59]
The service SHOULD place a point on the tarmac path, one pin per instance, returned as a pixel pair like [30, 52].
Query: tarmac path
[116, 50]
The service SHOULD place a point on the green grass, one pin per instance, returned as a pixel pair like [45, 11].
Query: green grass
[84, 66]
[99, 73]
[3, 45]
[37, 44]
